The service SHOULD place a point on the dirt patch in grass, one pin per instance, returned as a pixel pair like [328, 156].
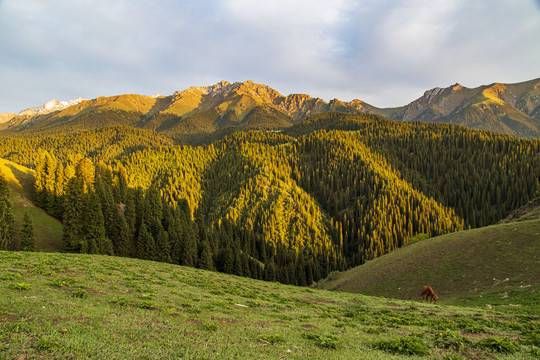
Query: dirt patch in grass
[477, 335]
[95, 292]
[69, 271]
[9, 317]
[309, 326]
[194, 321]
[189, 333]
[224, 320]
[261, 323]
[319, 301]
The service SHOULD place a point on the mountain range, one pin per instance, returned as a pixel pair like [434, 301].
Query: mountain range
[204, 111]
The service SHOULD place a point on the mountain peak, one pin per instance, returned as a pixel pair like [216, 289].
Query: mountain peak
[50, 106]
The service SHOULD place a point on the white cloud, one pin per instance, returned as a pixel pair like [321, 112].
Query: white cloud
[386, 52]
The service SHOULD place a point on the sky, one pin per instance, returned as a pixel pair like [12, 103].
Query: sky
[386, 52]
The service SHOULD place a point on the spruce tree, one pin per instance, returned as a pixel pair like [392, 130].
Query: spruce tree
[103, 188]
[146, 246]
[190, 248]
[163, 247]
[206, 260]
[94, 227]
[6, 216]
[122, 235]
[27, 241]
[74, 212]
[238, 266]
[59, 191]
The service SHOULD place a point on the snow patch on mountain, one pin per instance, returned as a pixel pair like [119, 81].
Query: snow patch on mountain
[50, 106]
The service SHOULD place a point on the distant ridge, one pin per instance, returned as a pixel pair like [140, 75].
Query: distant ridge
[506, 108]
[204, 110]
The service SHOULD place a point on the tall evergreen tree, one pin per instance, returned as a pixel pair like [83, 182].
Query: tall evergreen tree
[190, 248]
[27, 241]
[103, 189]
[206, 259]
[45, 180]
[122, 234]
[6, 215]
[146, 247]
[94, 227]
[163, 247]
[57, 209]
[74, 212]
[86, 170]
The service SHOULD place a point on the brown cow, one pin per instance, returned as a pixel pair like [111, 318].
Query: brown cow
[428, 292]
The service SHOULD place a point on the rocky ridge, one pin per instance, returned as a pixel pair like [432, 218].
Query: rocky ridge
[508, 108]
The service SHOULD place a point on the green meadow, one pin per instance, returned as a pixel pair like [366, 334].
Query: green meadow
[73, 306]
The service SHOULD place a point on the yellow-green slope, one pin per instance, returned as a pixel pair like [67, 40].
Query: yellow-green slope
[47, 230]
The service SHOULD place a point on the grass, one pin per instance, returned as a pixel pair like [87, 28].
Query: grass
[71, 306]
[47, 230]
[496, 266]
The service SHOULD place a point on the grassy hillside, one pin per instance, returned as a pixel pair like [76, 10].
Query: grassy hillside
[496, 265]
[67, 306]
[47, 230]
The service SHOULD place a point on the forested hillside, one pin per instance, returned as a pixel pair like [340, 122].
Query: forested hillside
[327, 194]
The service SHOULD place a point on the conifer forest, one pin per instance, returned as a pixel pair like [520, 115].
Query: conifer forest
[291, 206]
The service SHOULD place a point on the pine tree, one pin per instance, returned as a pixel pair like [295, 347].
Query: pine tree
[94, 227]
[6, 216]
[270, 271]
[163, 247]
[27, 241]
[238, 266]
[190, 248]
[103, 189]
[122, 235]
[227, 259]
[74, 205]
[57, 209]
[205, 260]
[86, 170]
[146, 246]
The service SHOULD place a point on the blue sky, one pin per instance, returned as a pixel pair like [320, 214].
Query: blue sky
[385, 52]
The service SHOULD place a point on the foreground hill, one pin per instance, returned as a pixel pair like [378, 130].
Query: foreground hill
[199, 114]
[495, 265]
[66, 306]
[47, 230]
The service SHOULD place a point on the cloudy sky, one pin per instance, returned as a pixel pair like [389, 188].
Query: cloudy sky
[385, 52]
